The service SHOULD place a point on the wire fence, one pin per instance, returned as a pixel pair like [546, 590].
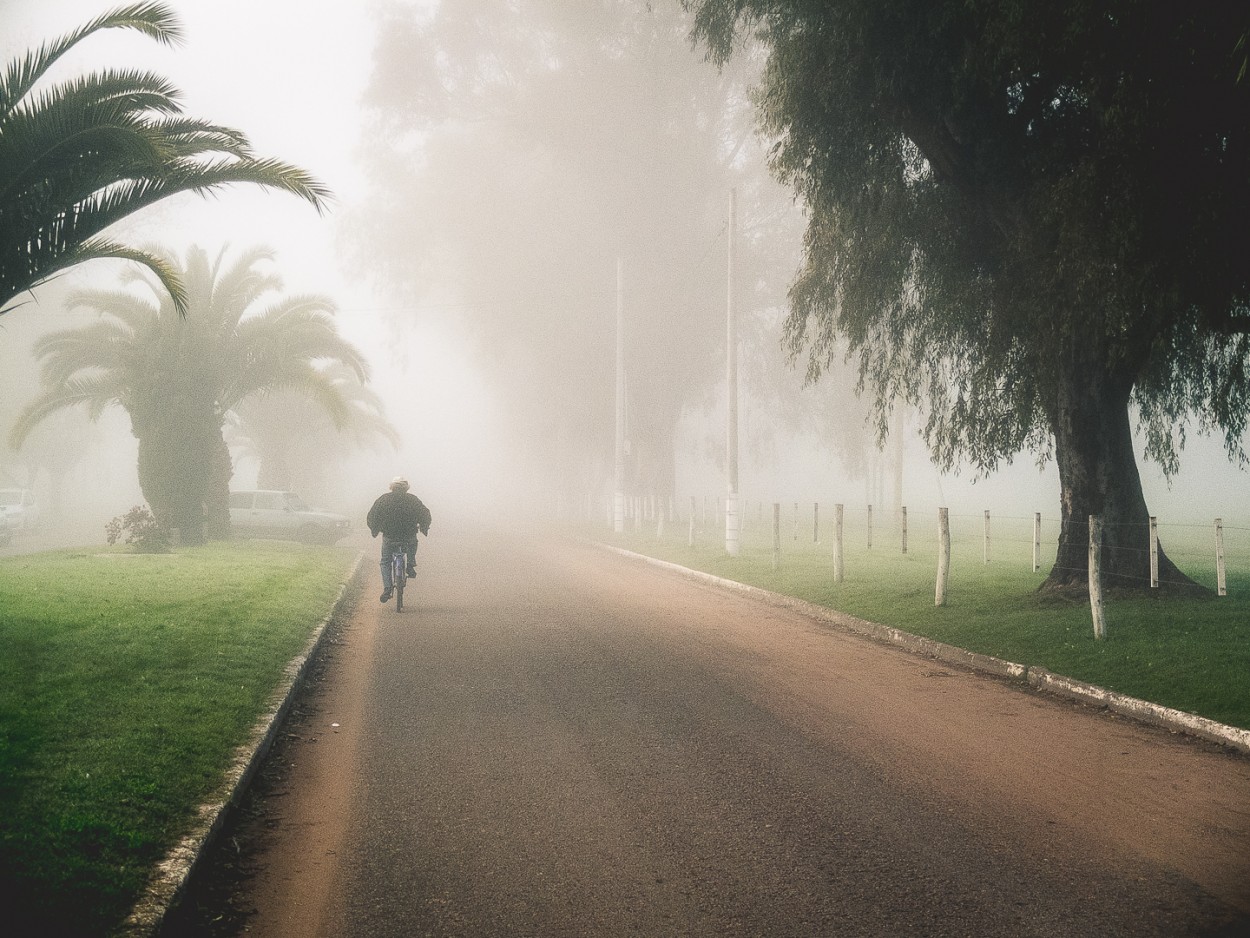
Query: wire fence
[1207, 552]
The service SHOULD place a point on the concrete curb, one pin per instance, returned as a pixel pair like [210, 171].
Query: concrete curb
[170, 878]
[1142, 710]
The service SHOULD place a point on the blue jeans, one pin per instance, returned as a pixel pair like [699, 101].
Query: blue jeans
[389, 545]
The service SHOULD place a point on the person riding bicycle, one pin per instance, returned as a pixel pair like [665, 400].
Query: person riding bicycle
[398, 515]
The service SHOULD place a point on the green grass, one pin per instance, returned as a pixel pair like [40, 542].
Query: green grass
[126, 683]
[1189, 654]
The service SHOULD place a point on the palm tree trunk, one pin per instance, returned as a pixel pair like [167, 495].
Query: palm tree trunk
[217, 494]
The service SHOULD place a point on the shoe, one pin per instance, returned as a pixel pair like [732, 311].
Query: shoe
[385, 597]
[412, 571]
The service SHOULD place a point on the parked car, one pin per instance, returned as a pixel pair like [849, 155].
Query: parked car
[19, 510]
[271, 513]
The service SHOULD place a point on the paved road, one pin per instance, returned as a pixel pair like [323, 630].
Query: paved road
[556, 741]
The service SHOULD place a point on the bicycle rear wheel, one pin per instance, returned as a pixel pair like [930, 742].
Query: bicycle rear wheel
[399, 576]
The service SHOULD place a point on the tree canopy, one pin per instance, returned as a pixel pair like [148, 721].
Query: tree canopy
[552, 139]
[1027, 218]
[78, 156]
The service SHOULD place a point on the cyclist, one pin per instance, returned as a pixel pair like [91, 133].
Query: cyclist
[398, 515]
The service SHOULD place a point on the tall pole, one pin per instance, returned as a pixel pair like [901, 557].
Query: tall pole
[618, 500]
[732, 519]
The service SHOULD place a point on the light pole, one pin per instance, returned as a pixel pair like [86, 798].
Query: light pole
[733, 523]
[618, 499]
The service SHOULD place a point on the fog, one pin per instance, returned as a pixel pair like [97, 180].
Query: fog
[492, 163]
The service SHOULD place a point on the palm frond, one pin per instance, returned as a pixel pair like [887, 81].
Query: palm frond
[155, 20]
[106, 345]
[95, 391]
[100, 249]
[81, 155]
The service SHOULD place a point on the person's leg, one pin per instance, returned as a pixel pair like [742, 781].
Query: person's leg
[385, 564]
[412, 556]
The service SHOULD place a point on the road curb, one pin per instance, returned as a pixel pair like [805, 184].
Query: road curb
[1142, 710]
[170, 878]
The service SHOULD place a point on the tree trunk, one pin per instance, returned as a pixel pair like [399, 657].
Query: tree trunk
[179, 457]
[275, 469]
[217, 495]
[1098, 476]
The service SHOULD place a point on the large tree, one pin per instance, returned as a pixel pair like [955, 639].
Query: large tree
[1031, 217]
[180, 377]
[78, 156]
[520, 149]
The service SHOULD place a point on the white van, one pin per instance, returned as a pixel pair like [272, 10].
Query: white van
[270, 513]
[19, 510]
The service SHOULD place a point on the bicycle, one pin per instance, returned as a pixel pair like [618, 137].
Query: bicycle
[399, 575]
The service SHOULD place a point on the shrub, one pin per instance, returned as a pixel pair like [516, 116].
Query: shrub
[141, 529]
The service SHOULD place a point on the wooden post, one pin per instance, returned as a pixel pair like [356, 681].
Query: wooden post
[870, 527]
[986, 529]
[1221, 588]
[776, 536]
[1154, 552]
[1037, 541]
[944, 556]
[816, 523]
[1095, 577]
[902, 517]
[618, 491]
[837, 544]
[690, 540]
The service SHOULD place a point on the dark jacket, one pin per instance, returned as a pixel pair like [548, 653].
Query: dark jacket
[398, 515]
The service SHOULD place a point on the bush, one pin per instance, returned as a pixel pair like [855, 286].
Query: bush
[141, 529]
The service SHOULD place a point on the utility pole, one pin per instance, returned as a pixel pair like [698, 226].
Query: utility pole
[618, 500]
[732, 520]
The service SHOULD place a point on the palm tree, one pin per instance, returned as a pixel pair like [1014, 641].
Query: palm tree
[79, 156]
[180, 377]
[291, 437]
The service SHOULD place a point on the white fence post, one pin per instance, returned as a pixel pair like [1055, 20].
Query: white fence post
[816, 523]
[690, 539]
[870, 527]
[776, 536]
[1221, 587]
[986, 529]
[1095, 577]
[902, 517]
[944, 556]
[837, 544]
[1154, 552]
[1037, 541]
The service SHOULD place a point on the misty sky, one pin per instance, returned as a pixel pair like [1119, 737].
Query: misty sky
[292, 75]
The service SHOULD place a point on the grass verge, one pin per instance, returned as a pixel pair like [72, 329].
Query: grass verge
[1188, 654]
[127, 682]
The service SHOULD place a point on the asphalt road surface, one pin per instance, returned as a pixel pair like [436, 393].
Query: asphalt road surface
[556, 741]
